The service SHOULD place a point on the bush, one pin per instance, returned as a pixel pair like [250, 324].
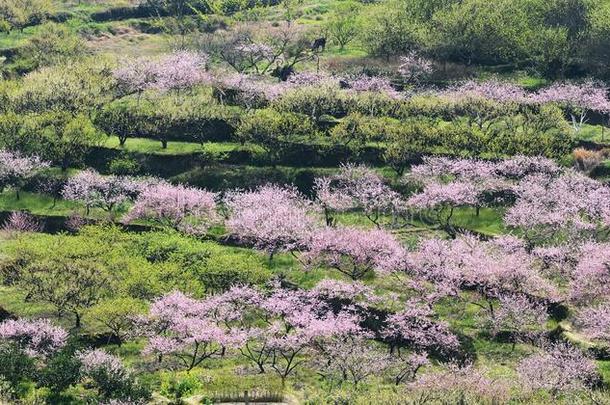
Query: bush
[15, 368]
[278, 133]
[356, 130]
[178, 387]
[49, 45]
[409, 141]
[124, 165]
[314, 102]
[60, 372]
[212, 267]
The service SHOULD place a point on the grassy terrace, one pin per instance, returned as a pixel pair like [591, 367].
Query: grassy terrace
[176, 148]
[488, 222]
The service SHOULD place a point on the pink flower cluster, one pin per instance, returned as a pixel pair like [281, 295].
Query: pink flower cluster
[590, 279]
[547, 198]
[15, 167]
[594, 322]
[96, 360]
[413, 67]
[417, 327]
[570, 200]
[188, 209]
[175, 71]
[456, 383]
[455, 194]
[376, 84]
[355, 252]
[559, 368]
[95, 190]
[37, 338]
[356, 187]
[179, 326]
[273, 218]
[493, 90]
[19, 221]
[587, 96]
[468, 262]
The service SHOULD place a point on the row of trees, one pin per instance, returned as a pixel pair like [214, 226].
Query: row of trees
[276, 219]
[60, 112]
[556, 38]
[60, 115]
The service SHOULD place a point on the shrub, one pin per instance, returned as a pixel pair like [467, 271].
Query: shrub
[124, 165]
[278, 133]
[314, 102]
[409, 141]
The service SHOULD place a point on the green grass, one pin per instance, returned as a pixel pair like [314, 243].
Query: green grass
[488, 222]
[13, 301]
[154, 147]
[41, 204]
[38, 204]
[15, 37]
[594, 133]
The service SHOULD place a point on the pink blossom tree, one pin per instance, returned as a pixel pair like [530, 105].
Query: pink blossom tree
[181, 70]
[95, 190]
[558, 369]
[293, 330]
[490, 185]
[282, 326]
[179, 326]
[176, 71]
[456, 384]
[489, 268]
[295, 333]
[272, 218]
[352, 360]
[354, 252]
[93, 361]
[135, 75]
[180, 207]
[439, 201]
[37, 338]
[115, 383]
[404, 368]
[416, 328]
[570, 206]
[594, 322]
[590, 279]
[245, 91]
[518, 167]
[355, 187]
[577, 99]
[413, 68]
[519, 316]
[16, 169]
